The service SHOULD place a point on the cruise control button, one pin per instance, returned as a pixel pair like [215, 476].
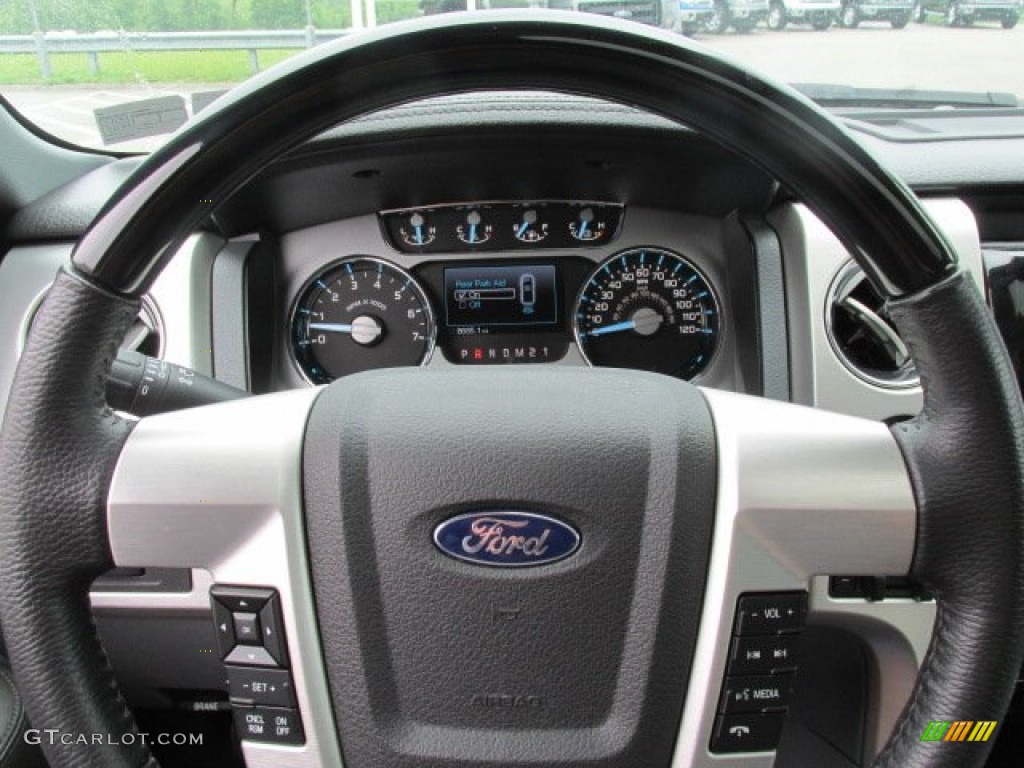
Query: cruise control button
[255, 685]
[747, 733]
[769, 614]
[755, 693]
[269, 724]
[763, 655]
[250, 656]
[247, 628]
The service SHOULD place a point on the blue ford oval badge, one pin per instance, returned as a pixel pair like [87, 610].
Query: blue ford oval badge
[506, 539]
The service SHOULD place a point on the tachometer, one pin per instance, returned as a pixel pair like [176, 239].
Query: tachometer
[358, 314]
[651, 309]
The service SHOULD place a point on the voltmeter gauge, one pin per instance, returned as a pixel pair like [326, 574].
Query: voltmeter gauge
[651, 309]
[358, 314]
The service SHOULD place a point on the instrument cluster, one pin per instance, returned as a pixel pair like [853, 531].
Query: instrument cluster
[647, 308]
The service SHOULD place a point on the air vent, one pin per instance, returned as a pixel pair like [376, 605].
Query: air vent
[863, 335]
[146, 334]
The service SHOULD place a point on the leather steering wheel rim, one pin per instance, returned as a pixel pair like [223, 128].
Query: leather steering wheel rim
[964, 452]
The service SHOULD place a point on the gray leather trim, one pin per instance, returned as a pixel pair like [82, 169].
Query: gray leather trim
[53, 539]
[11, 718]
[965, 456]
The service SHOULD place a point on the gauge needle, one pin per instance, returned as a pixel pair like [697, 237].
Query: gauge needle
[337, 327]
[625, 325]
[522, 228]
[583, 229]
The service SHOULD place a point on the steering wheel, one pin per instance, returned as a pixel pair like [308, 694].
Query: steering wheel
[331, 496]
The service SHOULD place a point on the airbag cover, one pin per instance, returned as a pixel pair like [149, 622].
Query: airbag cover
[436, 661]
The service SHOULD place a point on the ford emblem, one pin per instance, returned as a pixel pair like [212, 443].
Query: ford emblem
[506, 539]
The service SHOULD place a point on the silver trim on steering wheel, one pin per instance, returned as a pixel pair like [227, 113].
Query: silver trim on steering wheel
[802, 492]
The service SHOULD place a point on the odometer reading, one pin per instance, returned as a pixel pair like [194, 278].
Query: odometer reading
[359, 314]
[651, 309]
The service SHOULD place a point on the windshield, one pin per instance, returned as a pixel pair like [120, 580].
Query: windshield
[123, 74]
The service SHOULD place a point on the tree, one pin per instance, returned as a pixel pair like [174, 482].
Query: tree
[278, 14]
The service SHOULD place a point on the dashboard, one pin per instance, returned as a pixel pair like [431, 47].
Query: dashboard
[534, 230]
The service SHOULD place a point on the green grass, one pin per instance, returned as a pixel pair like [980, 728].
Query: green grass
[138, 67]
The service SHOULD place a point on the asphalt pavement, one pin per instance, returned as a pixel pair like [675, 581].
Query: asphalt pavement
[983, 57]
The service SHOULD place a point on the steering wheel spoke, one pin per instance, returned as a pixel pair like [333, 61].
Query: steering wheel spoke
[219, 488]
[804, 492]
[801, 493]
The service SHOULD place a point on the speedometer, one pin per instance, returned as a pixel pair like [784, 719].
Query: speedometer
[651, 309]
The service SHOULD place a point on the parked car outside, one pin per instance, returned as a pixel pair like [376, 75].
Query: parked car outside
[656, 13]
[741, 15]
[683, 16]
[963, 13]
[695, 15]
[896, 12]
[820, 14]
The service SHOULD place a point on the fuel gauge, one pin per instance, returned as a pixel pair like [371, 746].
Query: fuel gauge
[529, 228]
[588, 227]
[417, 231]
[474, 230]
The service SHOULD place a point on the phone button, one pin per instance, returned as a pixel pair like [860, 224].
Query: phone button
[747, 733]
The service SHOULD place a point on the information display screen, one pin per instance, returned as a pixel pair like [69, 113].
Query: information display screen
[490, 296]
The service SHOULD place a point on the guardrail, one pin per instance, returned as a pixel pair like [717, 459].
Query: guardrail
[92, 45]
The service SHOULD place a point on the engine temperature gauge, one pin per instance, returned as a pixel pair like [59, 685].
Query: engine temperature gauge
[587, 227]
[417, 231]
